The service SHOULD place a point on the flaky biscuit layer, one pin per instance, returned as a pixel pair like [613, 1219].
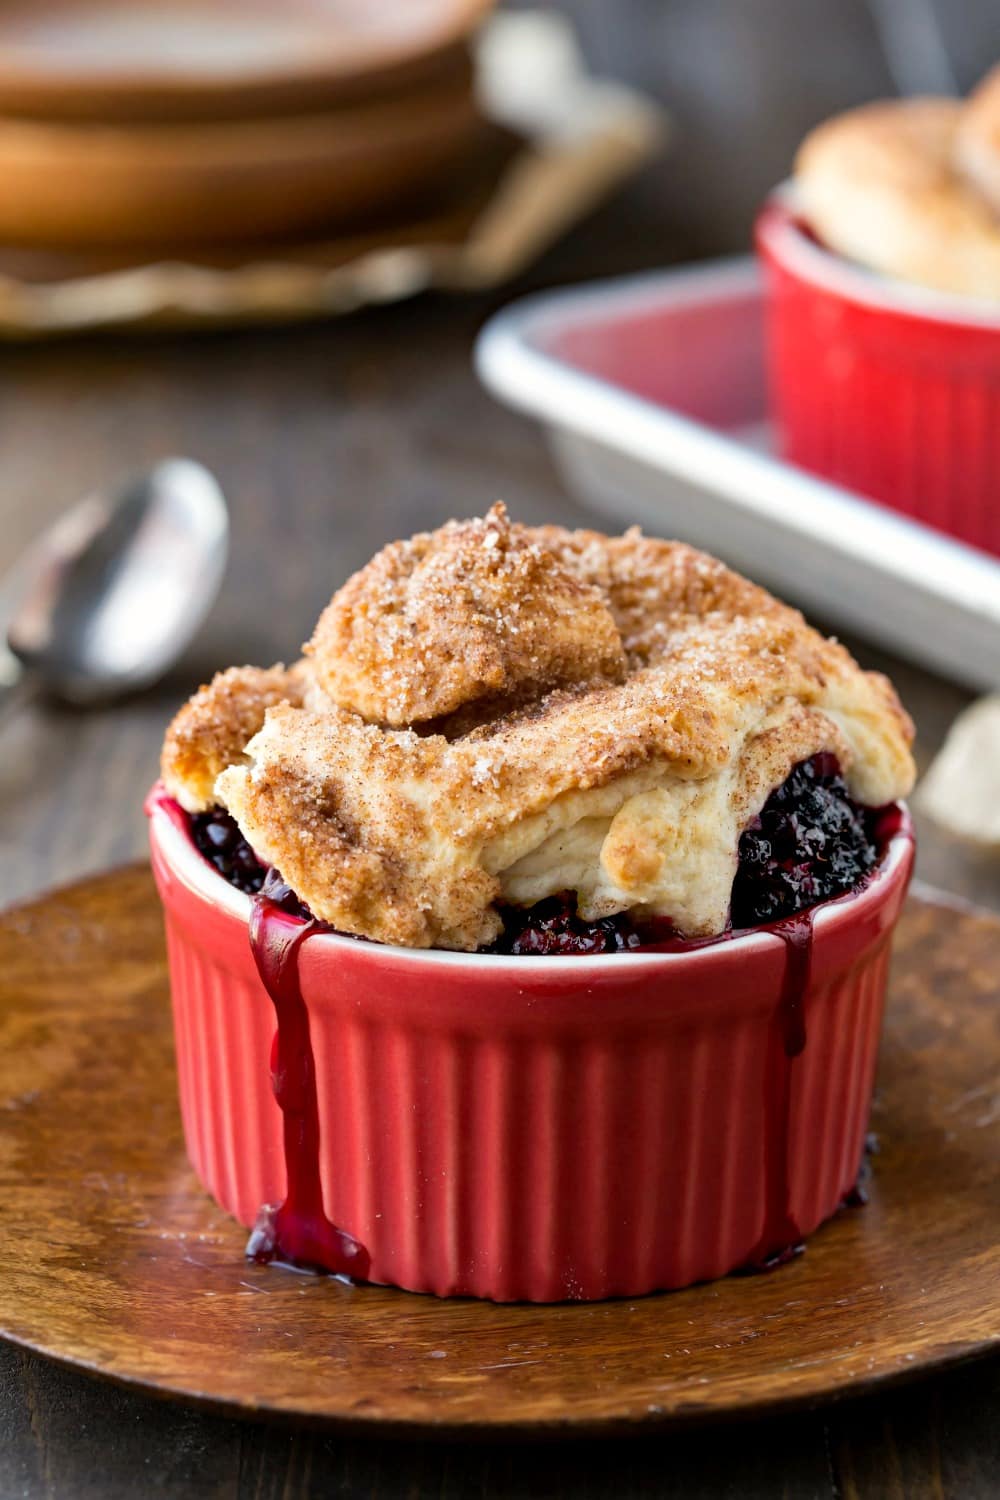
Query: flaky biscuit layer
[911, 188]
[629, 782]
[476, 612]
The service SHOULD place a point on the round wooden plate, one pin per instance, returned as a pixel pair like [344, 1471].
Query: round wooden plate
[212, 59]
[115, 1261]
[81, 186]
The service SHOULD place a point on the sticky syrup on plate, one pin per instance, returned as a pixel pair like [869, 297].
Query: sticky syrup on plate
[296, 1232]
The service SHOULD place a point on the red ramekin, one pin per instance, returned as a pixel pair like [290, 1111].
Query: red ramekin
[887, 388]
[533, 1129]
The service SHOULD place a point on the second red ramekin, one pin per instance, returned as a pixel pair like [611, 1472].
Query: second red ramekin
[537, 1129]
[887, 388]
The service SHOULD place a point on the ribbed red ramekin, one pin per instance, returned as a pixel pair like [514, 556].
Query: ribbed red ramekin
[887, 388]
[533, 1128]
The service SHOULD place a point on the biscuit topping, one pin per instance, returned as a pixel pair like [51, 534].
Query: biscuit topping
[911, 188]
[491, 714]
[478, 611]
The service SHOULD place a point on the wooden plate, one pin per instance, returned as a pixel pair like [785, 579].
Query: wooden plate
[80, 185]
[115, 1261]
[212, 59]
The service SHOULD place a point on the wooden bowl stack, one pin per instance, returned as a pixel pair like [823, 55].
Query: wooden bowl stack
[147, 125]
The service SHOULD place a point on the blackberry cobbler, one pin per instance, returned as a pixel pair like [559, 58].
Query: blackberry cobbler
[531, 742]
[536, 741]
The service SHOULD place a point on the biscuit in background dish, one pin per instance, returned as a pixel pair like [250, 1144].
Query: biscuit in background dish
[977, 140]
[899, 187]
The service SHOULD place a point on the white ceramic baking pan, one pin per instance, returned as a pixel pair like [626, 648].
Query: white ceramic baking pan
[653, 393]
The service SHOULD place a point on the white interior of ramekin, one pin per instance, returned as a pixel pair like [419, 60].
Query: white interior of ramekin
[847, 278]
[198, 875]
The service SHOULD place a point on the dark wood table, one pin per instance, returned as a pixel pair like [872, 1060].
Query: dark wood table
[329, 441]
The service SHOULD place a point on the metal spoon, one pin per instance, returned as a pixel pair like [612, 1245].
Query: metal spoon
[107, 599]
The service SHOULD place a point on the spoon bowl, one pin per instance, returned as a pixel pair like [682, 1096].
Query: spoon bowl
[116, 589]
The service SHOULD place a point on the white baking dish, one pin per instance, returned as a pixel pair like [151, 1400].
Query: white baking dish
[653, 392]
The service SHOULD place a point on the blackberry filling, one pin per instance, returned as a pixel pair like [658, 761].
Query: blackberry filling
[218, 838]
[552, 927]
[810, 843]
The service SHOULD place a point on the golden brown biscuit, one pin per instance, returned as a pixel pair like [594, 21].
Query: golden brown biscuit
[887, 185]
[631, 786]
[478, 610]
[977, 140]
[212, 728]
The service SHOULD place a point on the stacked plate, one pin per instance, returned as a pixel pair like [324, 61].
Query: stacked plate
[188, 122]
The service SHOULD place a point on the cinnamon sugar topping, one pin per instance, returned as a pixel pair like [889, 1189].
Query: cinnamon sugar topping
[495, 711]
[477, 611]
